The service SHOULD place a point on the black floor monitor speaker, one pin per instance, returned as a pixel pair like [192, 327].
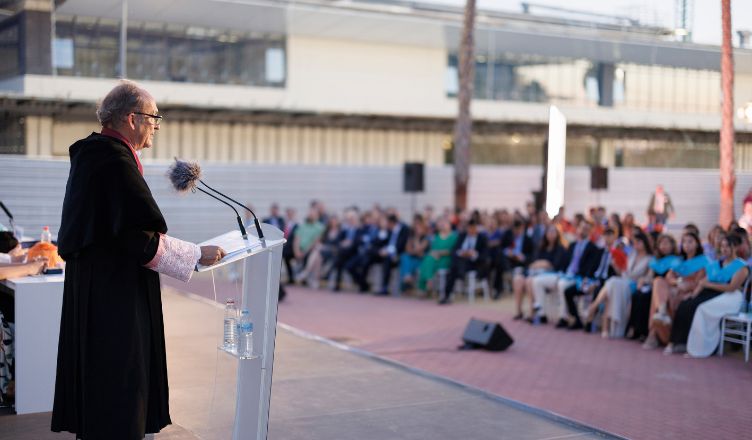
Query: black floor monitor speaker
[413, 177]
[486, 335]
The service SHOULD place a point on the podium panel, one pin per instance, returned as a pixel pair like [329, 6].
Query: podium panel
[261, 271]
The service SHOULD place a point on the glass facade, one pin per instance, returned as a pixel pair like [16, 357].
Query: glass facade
[530, 78]
[9, 47]
[12, 130]
[158, 52]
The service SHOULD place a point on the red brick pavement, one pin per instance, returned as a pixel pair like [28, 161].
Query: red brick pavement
[612, 385]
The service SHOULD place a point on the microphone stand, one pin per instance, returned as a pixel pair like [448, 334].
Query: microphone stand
[240, 222]
[10, 219]
[255, 219]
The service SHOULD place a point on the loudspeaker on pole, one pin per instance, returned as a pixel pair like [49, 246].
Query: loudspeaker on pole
[412, 177]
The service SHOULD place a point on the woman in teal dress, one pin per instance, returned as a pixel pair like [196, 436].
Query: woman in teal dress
[438, 256]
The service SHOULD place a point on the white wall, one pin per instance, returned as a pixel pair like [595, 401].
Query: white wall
[34, 189]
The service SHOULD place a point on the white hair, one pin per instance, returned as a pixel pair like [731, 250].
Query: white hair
[125, 98]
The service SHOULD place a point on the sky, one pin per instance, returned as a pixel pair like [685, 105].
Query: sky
[706, 22]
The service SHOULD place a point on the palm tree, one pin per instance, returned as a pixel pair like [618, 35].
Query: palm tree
[464, 126]
[728, 178]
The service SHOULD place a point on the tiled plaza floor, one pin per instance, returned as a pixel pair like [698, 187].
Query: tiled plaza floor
[612, 385]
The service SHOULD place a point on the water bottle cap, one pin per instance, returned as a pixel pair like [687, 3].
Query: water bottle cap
[46, 228]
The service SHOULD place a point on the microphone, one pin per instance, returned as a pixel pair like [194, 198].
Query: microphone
[185, 176]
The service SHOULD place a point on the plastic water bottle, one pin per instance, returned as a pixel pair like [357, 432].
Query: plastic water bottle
[46, 235]
[230, 342]
[245, 348]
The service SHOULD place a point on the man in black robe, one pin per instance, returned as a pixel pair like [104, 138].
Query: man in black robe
[111, 368]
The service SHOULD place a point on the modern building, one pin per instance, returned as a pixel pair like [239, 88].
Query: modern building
[363, 82]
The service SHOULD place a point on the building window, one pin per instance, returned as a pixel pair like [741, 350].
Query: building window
[160, 52]
[12, 129]
[9, 48]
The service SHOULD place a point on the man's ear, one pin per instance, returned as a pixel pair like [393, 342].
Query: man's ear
[130, 121]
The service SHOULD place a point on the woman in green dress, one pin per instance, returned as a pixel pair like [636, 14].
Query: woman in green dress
[438, 256]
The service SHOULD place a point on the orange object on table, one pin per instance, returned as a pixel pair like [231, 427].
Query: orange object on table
[44, 250]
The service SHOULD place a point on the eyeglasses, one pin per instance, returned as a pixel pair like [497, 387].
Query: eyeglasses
[157, 118]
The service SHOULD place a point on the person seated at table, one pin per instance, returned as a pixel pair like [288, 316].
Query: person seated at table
[468, 254]
[617, 292]
[548, 258]
[439, 253]
[670, 290]
[18, 270]
[611, 261]
[721, 278]
[666, 258]
[415, 250]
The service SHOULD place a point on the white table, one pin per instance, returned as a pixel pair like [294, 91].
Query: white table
[38, 304]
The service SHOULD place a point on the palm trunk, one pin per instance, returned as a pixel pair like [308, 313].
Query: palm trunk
[728, 178]
[463, 127]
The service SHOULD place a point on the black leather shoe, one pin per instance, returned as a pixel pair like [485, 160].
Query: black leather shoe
[588, 327]
[562, 323]
[576, 326]
[444, 301]
[543, 320]
[518, 317]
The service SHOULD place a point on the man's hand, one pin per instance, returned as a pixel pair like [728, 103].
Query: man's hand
[210, 255]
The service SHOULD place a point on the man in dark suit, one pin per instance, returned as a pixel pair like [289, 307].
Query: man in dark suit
[365, 243]
[288, 252]
[516, 251]
[347, 248]
[391, 249]
[469, 254]
[592, 283]
[581, 260]
[275, 219]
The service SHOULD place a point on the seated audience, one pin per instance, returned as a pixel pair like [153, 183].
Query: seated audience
[439, 253]
[415, 250]
[347, 246]
[672, 289]
[548, 258]
[274, 218]
[392, 246]
[357, 266]
[580, 262]
[324, 250]
[468, 254]
[720, 278]
[663, 261]
[617, 292]
[307, 236]
[609, 264]
[515, 253]
[288, 251]
[705, 332]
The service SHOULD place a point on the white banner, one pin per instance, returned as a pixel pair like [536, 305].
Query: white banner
[557, 154]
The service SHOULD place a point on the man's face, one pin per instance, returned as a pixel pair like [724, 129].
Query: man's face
[144, 126]
[584, 231]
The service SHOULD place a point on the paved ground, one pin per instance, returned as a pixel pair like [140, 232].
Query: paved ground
[613, 385]
[319, 392]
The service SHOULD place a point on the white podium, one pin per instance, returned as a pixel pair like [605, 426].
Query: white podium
[261, 271]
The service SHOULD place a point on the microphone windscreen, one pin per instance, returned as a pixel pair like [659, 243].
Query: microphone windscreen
[184, 175]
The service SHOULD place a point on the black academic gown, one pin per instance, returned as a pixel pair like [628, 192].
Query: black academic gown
[111, 367]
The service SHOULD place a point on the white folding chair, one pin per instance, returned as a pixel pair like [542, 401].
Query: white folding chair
[737, 328]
